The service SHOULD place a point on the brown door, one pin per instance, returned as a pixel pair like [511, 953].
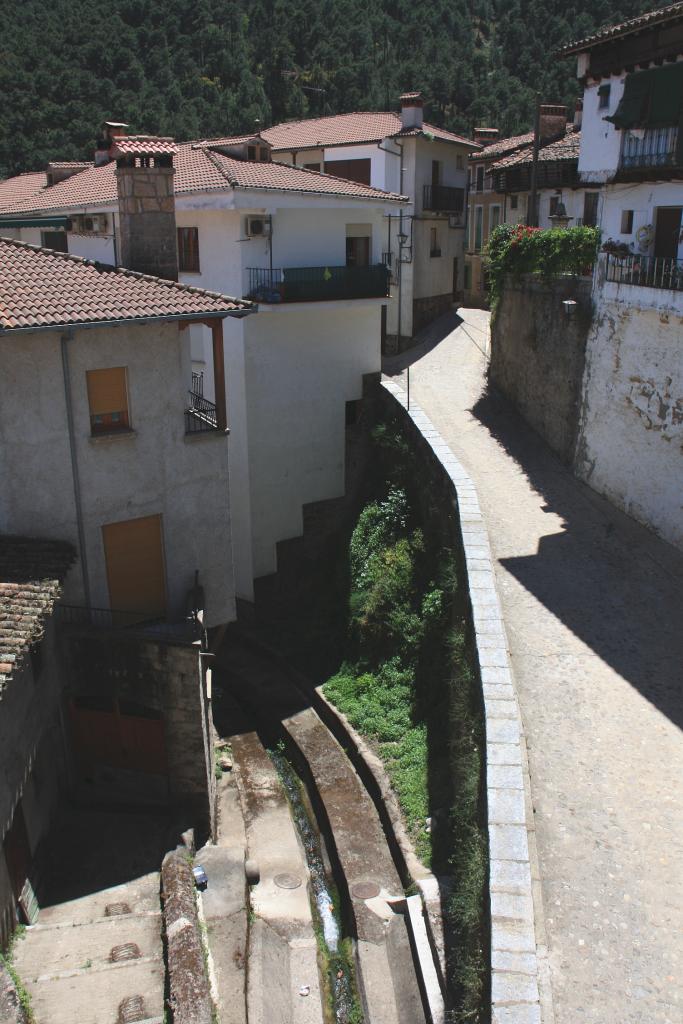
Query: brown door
[17, 851]
[667, 231]
[117, 733]
[134, 555]
[358, 251]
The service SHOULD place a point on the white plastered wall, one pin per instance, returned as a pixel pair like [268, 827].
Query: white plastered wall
[301, 364]
[153, 471]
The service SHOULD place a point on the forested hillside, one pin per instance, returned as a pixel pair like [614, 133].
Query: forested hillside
[193, 68]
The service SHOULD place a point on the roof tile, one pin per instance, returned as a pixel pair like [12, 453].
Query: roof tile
[350, 129]
[41, 288]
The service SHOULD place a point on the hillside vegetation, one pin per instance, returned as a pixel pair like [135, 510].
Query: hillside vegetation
[211, 67]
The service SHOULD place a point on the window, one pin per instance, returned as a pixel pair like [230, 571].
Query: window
[494, 218]
[436, 172]
[480, 178]
[312, 167]
[514, 202]
[590, 209]
[56, 240]
[627, 222]
[434, 248]
[354, 170]
[459, 162]
[357, 251]
[188, 250]
[108, 400]
[251, 152]
[603, 97]
[478, 227]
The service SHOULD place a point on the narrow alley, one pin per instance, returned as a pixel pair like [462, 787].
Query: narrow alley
[592, 606]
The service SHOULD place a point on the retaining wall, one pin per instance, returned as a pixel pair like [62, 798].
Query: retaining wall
[514, 961]
[538, 355]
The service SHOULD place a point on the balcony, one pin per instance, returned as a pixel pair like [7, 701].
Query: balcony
[201, 415]
[443, 199]
[645, 271]
[649, 149]
[317, 284]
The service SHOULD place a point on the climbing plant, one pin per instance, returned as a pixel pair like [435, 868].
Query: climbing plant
[515, 249]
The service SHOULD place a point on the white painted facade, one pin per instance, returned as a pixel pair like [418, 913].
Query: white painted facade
[630, 443]
[153, 470]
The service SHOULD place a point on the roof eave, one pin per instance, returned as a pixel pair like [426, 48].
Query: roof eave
[238, 314]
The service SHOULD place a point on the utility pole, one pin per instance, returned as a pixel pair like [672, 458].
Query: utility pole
[531, 213]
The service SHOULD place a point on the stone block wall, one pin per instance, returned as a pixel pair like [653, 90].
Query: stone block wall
[165, 677]
[147, 220]
[430, 308]
[538, 355]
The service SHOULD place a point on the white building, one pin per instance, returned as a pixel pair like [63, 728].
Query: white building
[101, 447]
[307, 246]
[399, 153]
[631, 428]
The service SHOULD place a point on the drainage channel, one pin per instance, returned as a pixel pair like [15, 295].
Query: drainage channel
[340, 981]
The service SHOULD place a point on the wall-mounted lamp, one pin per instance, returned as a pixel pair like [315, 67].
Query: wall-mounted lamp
[569, 307]
[402, 238]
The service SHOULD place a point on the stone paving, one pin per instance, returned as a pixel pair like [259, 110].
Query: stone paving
[593, 614]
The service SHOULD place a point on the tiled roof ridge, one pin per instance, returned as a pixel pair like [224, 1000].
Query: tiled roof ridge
[426, 125]
[213, 158]
[122, 271]
[621, 28]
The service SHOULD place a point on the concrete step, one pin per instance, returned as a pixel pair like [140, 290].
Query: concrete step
[49, 951]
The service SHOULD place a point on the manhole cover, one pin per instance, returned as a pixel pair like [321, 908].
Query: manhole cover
[287, 881]
[365, 890]
[126, 951]
[116, 909]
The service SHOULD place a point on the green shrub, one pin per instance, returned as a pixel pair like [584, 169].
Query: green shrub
[516, 249]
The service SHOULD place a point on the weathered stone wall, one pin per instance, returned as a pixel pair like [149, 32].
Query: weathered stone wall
[147, 220]
[538, 353]
[630, 443]
[430, 308]
[189, 995]
[165, 677]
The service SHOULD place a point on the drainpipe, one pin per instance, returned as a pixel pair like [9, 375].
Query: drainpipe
[74, 464]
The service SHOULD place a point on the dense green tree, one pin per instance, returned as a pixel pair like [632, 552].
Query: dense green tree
[193, 68]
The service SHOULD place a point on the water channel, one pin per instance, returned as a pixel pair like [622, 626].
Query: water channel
[327, 918]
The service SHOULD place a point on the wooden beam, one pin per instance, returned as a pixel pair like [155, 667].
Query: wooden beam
[219, 373]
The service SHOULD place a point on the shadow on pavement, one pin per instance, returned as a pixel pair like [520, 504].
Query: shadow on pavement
[609, 579]
[425, 341]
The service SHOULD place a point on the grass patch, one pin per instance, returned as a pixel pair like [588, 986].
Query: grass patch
[22, 991]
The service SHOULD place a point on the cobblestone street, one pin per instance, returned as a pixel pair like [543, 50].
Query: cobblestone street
[593, 612]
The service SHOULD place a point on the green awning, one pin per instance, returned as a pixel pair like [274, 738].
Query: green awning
[652, 99]
[33, 222]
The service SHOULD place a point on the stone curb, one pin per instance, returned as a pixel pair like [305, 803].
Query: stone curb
[189, 991]
[514, 963]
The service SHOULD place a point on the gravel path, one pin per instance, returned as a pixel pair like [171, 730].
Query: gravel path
[593, 606]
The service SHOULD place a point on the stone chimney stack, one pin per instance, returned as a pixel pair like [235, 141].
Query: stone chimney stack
[411, 110]
[111, 130]
[552, 122]
[485, 136]
[144, 183]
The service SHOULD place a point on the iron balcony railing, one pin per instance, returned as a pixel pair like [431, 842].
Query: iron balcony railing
[198, 382]
[105, 619]
[200, 415]
[443, 198]
[649, 148]
[318, 284]
[645, 271]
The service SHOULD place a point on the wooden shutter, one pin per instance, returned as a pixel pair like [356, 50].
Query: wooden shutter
[135, 566]
[188, 250]
[352, 170]
[108, 399]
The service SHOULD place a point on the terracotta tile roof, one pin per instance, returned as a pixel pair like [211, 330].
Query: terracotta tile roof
[22, 187]
[350, 129]
[230, 140]
[671, 13]
[31, 575]
[566, 148]
[275, 175]
[67, 164]
[198, 169]
[502, 146]
[41, 288]
[148, 145]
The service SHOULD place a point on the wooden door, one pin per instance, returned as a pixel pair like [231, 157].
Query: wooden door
[134, 556]
[358, 251]
[667, 231]
[117, 733]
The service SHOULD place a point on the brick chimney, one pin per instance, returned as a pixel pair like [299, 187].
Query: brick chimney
[144, 183]
[485, 136]
[411, 110]
[552, 122]
[111, 130]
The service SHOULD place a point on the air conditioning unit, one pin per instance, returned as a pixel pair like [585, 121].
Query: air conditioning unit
[258, 227]
[90, 224]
